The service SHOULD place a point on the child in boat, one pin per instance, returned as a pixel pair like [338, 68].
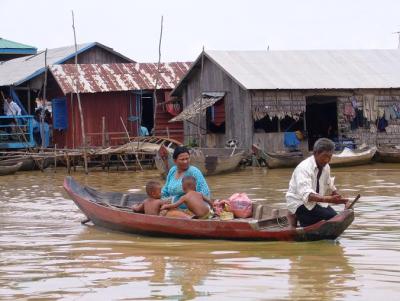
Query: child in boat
[196, 202]
[151, 205]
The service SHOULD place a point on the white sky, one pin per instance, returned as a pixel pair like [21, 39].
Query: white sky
[132, 27]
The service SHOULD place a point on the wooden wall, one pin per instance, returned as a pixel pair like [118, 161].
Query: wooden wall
[238, 111]
[238, 120]
[366, 134]
[97, 55]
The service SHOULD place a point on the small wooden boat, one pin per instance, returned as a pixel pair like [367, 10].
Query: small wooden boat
[210, 161]
[349, 157]
[388, 154]
[10, 169]
[147, 144]
[112, 210]
[277, 160]
[28, 162]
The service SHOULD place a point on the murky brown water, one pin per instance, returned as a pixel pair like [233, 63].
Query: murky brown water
[46, 254]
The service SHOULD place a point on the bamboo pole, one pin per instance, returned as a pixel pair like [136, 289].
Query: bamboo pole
[103, 131]
[129, 139]
[73, 120]
[201, 97]
[79, 98]
[155, 103]
[123, 162]
[42, 113]
[55, 158]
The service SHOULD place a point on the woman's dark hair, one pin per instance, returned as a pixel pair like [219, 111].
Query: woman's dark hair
[180, 150]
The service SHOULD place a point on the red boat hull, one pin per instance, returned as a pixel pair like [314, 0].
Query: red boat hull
[114, 218]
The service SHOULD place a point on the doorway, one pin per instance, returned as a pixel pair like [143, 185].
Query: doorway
[321, 118]
[147, 106]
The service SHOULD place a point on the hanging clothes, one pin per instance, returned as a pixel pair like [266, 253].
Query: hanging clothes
[349, 111]
[370, 107]
[382, 124]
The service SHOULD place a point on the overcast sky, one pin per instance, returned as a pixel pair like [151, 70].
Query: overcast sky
[133, 27]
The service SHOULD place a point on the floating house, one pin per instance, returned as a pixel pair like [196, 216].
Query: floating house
[24, 79]
[115, 96]
[257, 97]
[112, 88]
[26, 75]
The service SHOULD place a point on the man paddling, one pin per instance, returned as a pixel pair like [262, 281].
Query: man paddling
[311, 181]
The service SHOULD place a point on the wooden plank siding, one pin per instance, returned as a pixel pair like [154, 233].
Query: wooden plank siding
[97, 55]
[164, 128]
[238, 119]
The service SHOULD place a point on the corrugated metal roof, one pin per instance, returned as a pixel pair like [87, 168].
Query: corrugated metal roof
[312, 69]
[7, 44]
[19, 70]
[118, 77]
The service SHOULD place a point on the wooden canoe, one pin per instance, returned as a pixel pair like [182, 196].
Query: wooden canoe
[112, 210]
[277, 160]
[147, 144]
[388, 155]
[210, 161]
[10, 169]
[28, 162]
[349, 157]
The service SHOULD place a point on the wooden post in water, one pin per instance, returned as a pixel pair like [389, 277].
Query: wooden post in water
[201, 98]
[129, 139]
[42, 113]
[103, 139]
[103, 131]
[79, 99]
[157, 78]
[55, 158]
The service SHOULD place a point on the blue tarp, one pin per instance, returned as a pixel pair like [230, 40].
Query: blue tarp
[290, 140]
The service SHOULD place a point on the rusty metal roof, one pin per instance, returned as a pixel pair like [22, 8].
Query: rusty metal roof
[118, 77]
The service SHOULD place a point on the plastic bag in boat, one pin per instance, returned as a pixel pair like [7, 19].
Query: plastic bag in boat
[240, 205]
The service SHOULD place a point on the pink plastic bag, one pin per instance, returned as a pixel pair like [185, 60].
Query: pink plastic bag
[240, 205]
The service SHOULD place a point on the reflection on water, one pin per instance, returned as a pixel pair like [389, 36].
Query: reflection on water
[47, 254]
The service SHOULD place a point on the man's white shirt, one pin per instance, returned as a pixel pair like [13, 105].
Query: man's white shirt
[304, 182]
[11, 109]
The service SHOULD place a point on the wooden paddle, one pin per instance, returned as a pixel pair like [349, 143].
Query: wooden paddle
[354, 201]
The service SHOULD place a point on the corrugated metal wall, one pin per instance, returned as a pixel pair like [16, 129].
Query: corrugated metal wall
[163, 127]
[112, 106]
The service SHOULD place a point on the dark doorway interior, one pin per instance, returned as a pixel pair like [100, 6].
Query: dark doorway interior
[147, 111]
[321, 118]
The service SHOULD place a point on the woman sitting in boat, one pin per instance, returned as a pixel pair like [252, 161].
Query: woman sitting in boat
[173, 185]
[311, 181]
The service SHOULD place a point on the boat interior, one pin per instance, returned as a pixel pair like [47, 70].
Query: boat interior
[264, 216]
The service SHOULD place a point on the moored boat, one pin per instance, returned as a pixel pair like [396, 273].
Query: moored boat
[147, 144]
[28, 162]
[277, 160]
[210, 161]
[388, 154]
[10, 169]
[349, 157]
[112, 210]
